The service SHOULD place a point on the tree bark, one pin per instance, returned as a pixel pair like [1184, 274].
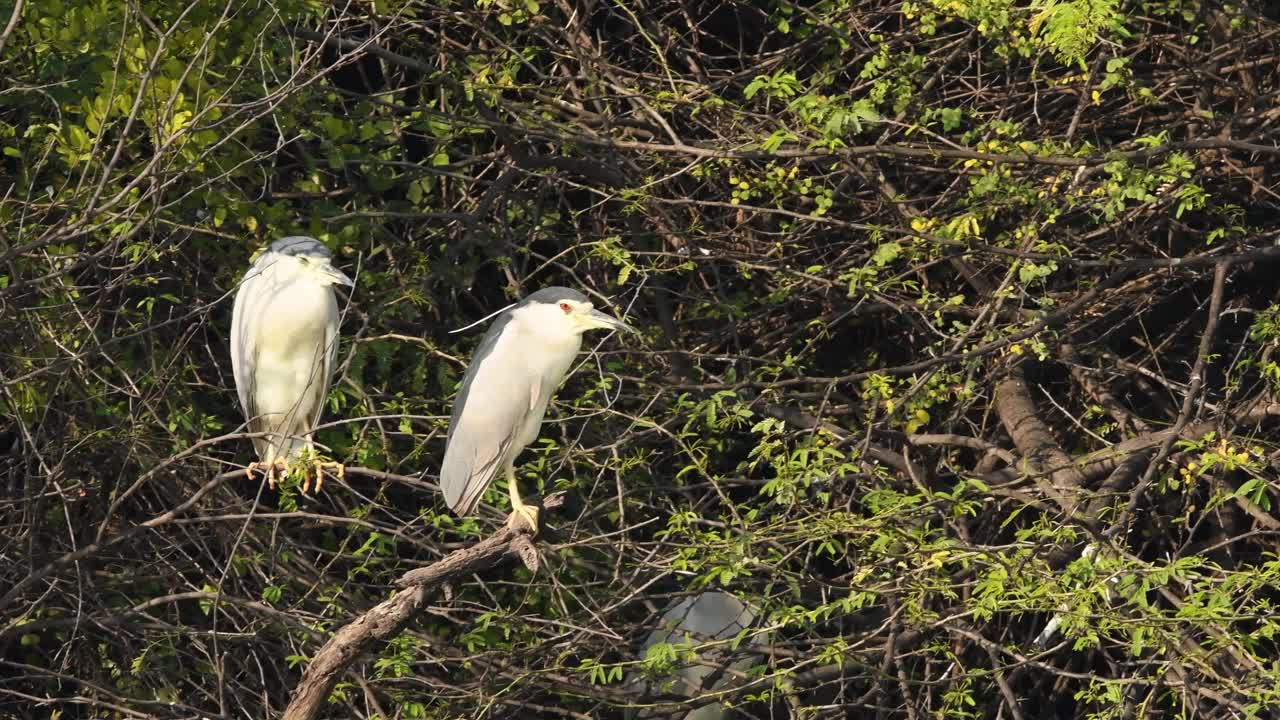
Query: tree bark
[386, 619]
[1035, 441]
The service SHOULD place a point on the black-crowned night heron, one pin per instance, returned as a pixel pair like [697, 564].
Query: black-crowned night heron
[520, 362]
[700, 621]
[1085, 565]
[284, 347]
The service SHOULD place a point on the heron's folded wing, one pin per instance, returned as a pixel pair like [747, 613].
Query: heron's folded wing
[488, 414]
[244, 348]
[471, 462]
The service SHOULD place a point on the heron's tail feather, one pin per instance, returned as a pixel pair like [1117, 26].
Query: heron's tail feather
[465, 474]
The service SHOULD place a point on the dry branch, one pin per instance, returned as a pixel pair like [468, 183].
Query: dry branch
[1034, 439]
[386, 619]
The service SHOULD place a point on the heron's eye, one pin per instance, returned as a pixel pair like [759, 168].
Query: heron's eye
[566, 308]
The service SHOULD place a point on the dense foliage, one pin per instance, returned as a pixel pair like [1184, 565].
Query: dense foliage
[955, 314]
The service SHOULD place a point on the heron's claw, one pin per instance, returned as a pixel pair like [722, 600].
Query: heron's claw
[269, 469]
[527, 513]
[283, 464]
[338, 468]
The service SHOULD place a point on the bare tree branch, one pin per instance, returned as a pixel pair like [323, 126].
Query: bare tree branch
[385, 620]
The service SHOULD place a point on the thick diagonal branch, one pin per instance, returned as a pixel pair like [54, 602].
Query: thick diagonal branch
[1035, 442]
[386, 619]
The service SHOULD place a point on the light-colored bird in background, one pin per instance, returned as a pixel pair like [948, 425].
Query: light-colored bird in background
[700, 621]
[284, 348]
[517, 367]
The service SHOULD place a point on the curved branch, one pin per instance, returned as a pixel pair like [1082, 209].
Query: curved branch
[386, 619]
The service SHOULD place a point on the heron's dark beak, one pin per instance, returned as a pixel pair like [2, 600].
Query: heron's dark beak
[337, 276]
[608, 322]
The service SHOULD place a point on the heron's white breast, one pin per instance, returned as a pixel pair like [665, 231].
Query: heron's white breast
[547, 363]
[501, 391]
[294, 321]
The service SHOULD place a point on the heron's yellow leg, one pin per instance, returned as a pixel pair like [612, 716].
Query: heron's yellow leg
[518, 508]
[338, 468]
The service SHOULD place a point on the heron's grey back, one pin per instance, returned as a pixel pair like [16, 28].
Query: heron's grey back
[483, 424]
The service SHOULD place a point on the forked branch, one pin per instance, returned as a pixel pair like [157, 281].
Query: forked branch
[386, 619]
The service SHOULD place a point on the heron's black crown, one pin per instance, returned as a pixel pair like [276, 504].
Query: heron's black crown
[300, 245]
[552, 295]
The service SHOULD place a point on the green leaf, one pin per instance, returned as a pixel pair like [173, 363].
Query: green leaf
[79, 138]
[886, 253]
[951, 118]
[206, 604]
[272, 594]
[777, 138]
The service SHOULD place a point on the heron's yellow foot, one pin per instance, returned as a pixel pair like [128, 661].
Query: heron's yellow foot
[269, 468]
[338, 468]
[518, 507]
[528, 513]
[279, 462]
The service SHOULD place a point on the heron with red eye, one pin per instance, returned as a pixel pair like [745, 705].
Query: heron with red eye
[518, 365]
